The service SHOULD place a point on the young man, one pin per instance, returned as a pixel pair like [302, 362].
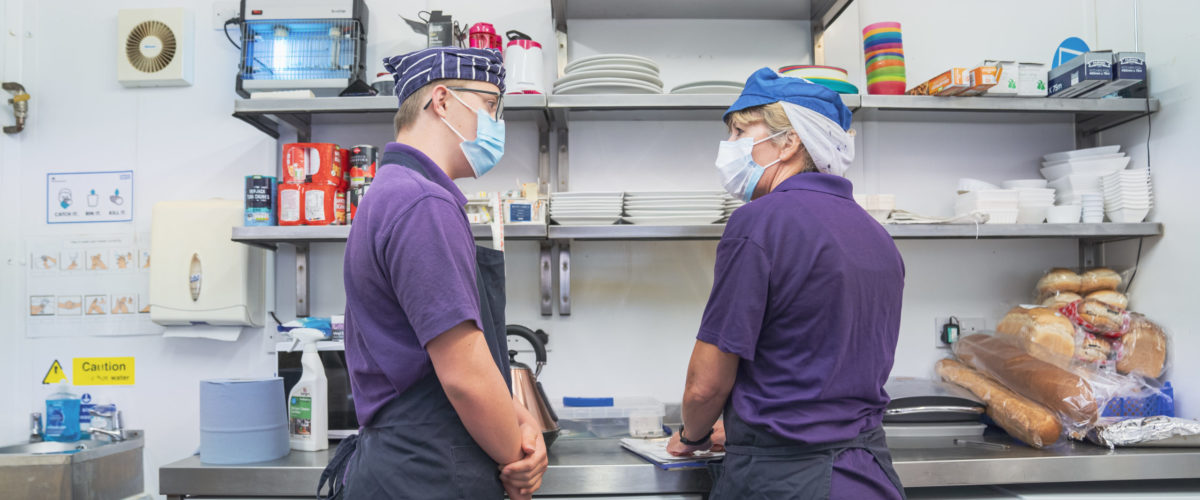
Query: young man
[425, 336]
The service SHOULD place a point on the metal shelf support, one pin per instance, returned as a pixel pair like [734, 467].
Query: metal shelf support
[564, 278]
[302, 301]
[546, 270]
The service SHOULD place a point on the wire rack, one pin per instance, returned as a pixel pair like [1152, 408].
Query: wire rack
[302, 50]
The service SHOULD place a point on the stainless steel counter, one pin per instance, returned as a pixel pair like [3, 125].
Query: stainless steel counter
[601, 467]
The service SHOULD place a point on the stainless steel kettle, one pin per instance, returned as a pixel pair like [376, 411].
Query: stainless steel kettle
[525, 387]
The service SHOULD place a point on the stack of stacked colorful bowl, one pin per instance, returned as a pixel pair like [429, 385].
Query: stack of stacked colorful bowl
[885, 58]
[833, 78]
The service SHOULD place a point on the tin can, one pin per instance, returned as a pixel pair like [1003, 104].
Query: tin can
[261, 191]
[363, 161]
[345, 157]
[320, 204]
[339, 208]
[291, 205]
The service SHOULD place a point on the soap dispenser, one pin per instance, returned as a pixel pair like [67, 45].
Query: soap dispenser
[62, 416]
[308, 403]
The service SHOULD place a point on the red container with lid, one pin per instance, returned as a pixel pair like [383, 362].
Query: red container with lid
[484, 36]
[305, 162]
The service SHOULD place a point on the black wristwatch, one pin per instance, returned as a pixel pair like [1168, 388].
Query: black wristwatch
[686, 441]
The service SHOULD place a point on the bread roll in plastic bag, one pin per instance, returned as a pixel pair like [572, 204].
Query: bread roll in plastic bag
[1098, 317]
[1068, 283]
[1019, 416]
[1143, 349]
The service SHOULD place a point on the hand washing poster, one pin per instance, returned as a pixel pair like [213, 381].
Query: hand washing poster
[89, 285]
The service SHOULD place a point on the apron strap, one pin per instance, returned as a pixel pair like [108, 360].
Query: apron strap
[862, 441]
[335, 472]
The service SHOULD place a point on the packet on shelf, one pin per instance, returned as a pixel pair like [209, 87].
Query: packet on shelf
[952, 82]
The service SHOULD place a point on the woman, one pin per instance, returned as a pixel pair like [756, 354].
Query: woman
[800, 329]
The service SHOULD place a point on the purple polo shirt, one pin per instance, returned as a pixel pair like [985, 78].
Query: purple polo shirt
[807, 293]
[409, 276]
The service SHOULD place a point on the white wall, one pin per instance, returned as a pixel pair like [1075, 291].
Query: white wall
[636, 304]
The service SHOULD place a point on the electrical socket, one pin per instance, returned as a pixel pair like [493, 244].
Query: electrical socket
[224, 11]
[966, 326]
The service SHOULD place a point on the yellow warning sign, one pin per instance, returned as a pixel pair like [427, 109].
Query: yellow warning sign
[55, 374]
[103, 371]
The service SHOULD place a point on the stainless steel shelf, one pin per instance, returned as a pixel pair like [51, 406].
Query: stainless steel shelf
[1006, 104]
[271, 236]
[323, 345]
[267, 114]
[649, 106]
[1094, 232]
[689, 9]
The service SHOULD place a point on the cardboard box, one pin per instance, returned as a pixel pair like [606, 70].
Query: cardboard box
[1031, 80]
[1128, 69]
[952, 82]
[980, 80]
[1007, 76]
[1081, 74]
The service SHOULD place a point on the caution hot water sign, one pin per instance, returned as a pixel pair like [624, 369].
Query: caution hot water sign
[103, 371]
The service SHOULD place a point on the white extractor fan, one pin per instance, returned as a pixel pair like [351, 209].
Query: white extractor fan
[154, 47]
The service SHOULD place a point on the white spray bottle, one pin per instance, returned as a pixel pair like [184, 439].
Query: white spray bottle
[308, 403]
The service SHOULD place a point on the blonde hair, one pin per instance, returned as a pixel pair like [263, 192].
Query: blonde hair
[411, 108]
[775, 118]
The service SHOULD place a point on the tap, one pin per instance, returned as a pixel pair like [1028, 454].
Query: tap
[35, 427]
[117, 431]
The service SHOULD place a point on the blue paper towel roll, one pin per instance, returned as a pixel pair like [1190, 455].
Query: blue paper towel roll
[242, 420]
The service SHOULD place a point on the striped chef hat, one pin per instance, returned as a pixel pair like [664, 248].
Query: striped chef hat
[416, 69]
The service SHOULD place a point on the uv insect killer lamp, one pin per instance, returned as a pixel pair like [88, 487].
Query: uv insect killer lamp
[317, 45]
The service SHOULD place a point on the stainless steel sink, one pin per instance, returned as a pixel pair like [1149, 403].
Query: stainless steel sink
[87, 469]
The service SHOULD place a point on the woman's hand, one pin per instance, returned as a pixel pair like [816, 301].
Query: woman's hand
[523, 477]
[677, 448]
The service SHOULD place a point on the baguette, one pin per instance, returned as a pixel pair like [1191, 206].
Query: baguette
[1041, 330]
[1099, 279]
[1059, 390]
[1058, 281]
[1020, 417]
[1143, 349]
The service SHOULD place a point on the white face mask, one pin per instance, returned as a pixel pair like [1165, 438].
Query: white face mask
[739, 173]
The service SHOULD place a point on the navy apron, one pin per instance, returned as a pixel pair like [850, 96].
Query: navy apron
[417, 447]
[762, 466]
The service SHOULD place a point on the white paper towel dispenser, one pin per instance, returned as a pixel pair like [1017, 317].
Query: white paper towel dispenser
[198, 275]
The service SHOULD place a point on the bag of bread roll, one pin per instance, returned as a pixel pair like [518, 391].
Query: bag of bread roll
[1095, 350]
[1142, 350]
[1100, 278]
[1071, 396]
[1020, 417]
[1110, 297]
[1098, 317]
[1059, 299]
[1058, 280]
[1043, 332]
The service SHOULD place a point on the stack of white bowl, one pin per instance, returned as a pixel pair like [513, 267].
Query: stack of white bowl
[1002, 206]
[1076, 177]
[675, 208]
[586, 209]
[1127, 195]
[731, 204]
[1033, 199]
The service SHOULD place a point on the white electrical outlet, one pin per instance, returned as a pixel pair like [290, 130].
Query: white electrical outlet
[224, 11]
[966, 326]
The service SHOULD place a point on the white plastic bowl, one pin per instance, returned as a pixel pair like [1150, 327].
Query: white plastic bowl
[1082, 153]
[1024, 184]
[1064, 214]
[1100, 167]
[1032, 215]
[1128, 216]
[968, 184]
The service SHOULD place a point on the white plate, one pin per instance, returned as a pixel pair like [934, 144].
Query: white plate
[677, 213]
[703, 192]
[608, 88]
[615, 66]
[678, 197]
[674, 205]
[587, 221]
[708, 90]
[1083, 159]
[585, 213]
[608, 81]
[607, 74]
[673, 221]
[610, 59]
[1081, 153]
[578, 194]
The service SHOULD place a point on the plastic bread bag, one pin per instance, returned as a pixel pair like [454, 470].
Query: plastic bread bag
[1076, 394]
[1145, 431]
[1143, 349]
[1062, 285]
[1019, 416]
[1098, 317]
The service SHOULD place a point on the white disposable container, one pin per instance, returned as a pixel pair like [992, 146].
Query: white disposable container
[523, 65]
[637, 417]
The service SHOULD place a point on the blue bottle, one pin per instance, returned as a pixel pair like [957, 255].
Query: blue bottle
[62, 416]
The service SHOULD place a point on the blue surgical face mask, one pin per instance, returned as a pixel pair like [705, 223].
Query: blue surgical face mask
[739, 173]
[485, 151]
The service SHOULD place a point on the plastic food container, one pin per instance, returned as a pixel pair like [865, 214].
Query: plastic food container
[636, 417]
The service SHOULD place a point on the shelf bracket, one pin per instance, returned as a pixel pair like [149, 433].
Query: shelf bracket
[564, 278]
[543, 153]
[302, 124]
[564, 164]
[302, 280]
[1091, 254]
[546, 267]
[262, 123]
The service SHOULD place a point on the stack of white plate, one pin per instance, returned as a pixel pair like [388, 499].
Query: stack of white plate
[586, 209]
[1032, 204]
[731, 204]
[1072, 188]
[674, 208]
[1001, 205]
[1093, 208]
[709, 87]
[1099, 161]
[610, 74]
[1127, 195]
